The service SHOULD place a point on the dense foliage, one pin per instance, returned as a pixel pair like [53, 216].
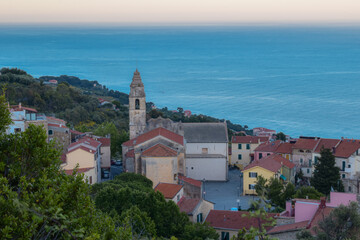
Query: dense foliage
[326, 175]
[133, 191]
[38, 200]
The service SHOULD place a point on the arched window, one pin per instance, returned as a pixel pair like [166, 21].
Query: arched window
[137, 104]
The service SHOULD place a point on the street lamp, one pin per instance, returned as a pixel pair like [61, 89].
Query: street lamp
[238, 202]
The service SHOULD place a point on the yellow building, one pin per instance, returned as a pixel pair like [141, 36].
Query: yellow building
[270, 166]
[84, 154]
[242, 149]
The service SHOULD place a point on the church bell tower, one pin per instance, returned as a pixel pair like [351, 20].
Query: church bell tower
[137, 106]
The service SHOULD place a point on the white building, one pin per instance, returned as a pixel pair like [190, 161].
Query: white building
[206, 151]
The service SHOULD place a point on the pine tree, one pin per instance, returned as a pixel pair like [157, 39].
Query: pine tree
[326, 174]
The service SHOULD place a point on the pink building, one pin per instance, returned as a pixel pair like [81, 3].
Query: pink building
[266, 149]
[307, 213]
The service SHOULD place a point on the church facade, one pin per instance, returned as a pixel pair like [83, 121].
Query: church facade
[163, 150]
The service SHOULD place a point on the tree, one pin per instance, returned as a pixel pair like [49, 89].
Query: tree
[199, 231]
[261, 186]
[275, 189]
[307, 192]
[281, 136]
[304, 235]
[326, 174]
[342, 223]
[38, 200]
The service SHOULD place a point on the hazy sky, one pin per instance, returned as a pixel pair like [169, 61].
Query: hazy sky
[180, 11]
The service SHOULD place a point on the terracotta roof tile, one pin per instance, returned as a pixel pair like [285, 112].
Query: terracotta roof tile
[285, 148]
[154, 133]
[289, 227]
[305, 143]
[346, 148]
[319, 216]
[268, 146]
[17, 108]
[232, 220]
[105, 141]
[190, 181]
[76, 132]
[130, 153]
[86, 141]
[168, 190]
[326, 143]
[159, 150]
[55, 119]
[271, 163]
[188, 205]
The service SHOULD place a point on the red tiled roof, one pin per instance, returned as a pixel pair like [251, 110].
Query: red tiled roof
[248, 139]
[76, 132]
[268, 146]
[190, 181]
[285, 148]
[79, 170]
[159, 150]
[82, 148]
[320, 214]
[57, 125]
[168, 190]
[55, 119]
[130, 153]
[347, 147]
[233, 220]
[289, 227]
[154, 133]
[17, 108]
[326, 143]
[85, 140]
[305, 143]
[188, 205]
[105, 141]
[271, 163]
[262, 129]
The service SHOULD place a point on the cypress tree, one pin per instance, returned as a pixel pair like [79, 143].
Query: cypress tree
[326, 174]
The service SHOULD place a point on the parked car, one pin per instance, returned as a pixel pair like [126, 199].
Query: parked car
[118, 163]
[113, 161]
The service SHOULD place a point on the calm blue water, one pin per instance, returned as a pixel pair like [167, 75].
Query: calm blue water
[302, 81]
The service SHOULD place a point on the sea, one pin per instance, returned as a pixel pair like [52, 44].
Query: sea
[301, 80]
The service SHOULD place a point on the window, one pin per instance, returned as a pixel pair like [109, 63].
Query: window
[247, 146]
[90, 179]
[310, 163]
[204, 151]
[137, 104]
[343, 166]
[316, 159]
[308, 170]
[301, 160]
[175, 176]
[178, 197]
[343, 176]
[225, 236]
[268, 154]
[260, 155]
[239, 156]
[252, 174]
[252, 186]
[50, 132]
[301, 150]
[17, 130]
[199, 218]
[349, 189]
[357, 152]
[239, 146]
[349, 166]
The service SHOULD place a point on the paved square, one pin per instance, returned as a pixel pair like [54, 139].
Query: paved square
[226, 194]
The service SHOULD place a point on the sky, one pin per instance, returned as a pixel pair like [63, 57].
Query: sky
[179, 11]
